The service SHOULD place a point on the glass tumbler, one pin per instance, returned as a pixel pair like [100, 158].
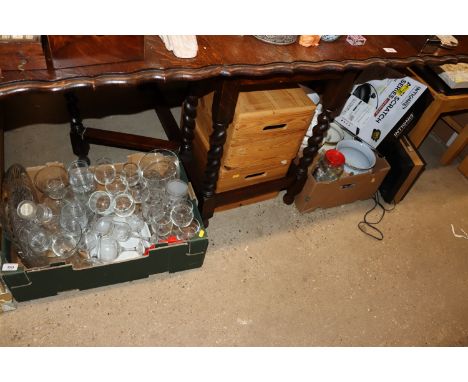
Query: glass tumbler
[80, 177]
[52, 181]
[38, 213]
[176, 190]
[104, 171]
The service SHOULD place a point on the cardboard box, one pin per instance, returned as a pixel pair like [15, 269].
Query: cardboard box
[32, 283]
[345, 190]
[379, 110]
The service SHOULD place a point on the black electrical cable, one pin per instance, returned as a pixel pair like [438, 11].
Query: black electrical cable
[366, 224]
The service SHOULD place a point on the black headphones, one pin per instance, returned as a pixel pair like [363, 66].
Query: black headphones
[364, 92]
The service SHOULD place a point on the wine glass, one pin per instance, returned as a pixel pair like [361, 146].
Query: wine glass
[52, 181]
[104, 171]
[117, 186]
[130, 173]
[123, 205]
[182, 213]
[101, 203]
[80, 177]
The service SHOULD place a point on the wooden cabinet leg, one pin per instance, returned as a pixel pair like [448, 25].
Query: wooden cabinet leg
[333, 100]
[308, 155]
[463, 167]
[189, 114]
[425, 123]
[79, 145]
[456, 147]
[223, 108]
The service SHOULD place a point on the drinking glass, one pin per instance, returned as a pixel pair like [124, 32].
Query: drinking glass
[130, 173]
[39, 240]
[153, 209]
[101, 203]
[188, 232]
[38, 213]
[89, 240]
[104, 171]
[182, 213]
[140, 191]
[52, 181]
[176, 190]
[159, 155]
[136, 223]
[122, 231]
[108, 249]
[161, 228]
[117, 186]
[80, 177]
[158, 173]
[103, 226]
[74, 217]
[65, 244]
[123, 205]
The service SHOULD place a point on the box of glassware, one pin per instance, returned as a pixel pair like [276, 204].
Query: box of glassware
[110, 224]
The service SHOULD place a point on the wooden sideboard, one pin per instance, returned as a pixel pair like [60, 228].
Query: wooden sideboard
[225, 65]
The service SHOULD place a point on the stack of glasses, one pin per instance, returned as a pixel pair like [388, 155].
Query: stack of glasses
[109, 212]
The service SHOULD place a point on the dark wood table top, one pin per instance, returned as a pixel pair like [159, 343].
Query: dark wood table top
[229, 56]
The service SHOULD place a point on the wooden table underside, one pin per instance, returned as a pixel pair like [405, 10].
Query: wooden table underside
[226, 63]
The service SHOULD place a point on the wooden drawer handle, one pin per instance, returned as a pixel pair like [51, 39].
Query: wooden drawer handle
[256, 175]
[274, 127]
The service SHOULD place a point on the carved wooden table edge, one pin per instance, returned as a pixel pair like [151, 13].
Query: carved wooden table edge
[197, 74]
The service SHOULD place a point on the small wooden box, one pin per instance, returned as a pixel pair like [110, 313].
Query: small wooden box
[267, 129]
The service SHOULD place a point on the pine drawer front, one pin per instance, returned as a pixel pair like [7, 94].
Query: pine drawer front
[267, 126]
[243, 176]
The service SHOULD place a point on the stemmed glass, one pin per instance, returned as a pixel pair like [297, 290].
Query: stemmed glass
[182, 213]
[131, 174]
[103, 226]
[52, 181]
[101, 203]
[104, 171]
[65, 243]
[80, 176]
[117, 186]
